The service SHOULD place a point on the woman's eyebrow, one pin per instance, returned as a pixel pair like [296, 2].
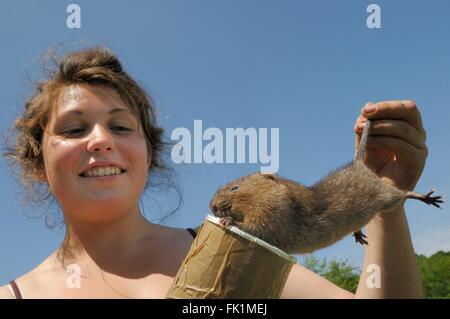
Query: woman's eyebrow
[79, 112]
[117, 110]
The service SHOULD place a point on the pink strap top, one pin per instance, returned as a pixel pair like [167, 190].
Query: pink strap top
[15, 289]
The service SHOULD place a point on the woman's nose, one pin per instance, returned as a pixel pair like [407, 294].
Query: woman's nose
[100, 140]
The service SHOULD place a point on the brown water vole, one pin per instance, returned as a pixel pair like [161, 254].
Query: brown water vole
[300, 219]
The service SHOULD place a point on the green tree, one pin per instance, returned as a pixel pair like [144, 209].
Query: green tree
[435, 272]
[341, 273]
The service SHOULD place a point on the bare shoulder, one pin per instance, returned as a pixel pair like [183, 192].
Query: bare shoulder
[170, 244]
[35, 279]
[5, 293]
[306, 284]
[23, 281]
[179, 239]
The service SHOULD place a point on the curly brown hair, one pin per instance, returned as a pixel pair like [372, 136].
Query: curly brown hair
[94, 66]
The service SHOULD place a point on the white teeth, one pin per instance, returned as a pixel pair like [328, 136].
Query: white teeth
[102, 171]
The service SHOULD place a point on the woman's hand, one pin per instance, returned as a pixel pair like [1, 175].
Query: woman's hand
[396, 148]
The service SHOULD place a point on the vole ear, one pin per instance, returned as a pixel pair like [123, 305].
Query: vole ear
[269, 176]
[234, 188]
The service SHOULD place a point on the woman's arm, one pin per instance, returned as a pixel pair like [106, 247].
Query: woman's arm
[397, 153]
[303, 283]
[391, 251]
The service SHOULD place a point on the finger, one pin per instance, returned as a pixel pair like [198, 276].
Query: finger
[401, 148]
[360, 119]
[396, 128]
[405, 110]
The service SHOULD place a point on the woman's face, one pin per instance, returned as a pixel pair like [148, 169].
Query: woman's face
[93, 133]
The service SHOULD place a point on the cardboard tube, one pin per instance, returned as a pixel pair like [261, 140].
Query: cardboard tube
[229, 263]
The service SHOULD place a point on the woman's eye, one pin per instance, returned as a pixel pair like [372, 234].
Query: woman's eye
[74, 132]
[120, 128]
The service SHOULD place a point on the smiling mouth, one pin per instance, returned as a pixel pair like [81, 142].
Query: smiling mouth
[103, 172]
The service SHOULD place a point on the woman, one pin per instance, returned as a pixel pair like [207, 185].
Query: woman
[89, 133]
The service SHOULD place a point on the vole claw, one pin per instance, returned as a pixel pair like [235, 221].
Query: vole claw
[226, 221]
[427, 198]
[359, 237]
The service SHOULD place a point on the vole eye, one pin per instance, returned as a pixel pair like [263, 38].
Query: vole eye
[234, 188]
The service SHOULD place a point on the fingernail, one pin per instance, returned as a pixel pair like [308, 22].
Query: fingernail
[361, 125]
[371, 108]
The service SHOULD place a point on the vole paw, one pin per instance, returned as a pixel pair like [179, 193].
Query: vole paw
[359, 237]
[427, 198]
[226, 221]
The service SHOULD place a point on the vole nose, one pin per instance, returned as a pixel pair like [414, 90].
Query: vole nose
[214, 208]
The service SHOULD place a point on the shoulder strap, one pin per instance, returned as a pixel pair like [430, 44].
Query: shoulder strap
[192, 232]
[15, 289]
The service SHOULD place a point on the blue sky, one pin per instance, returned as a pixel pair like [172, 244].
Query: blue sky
[305, 67]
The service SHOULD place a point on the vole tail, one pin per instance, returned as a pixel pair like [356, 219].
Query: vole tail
[362, 147]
